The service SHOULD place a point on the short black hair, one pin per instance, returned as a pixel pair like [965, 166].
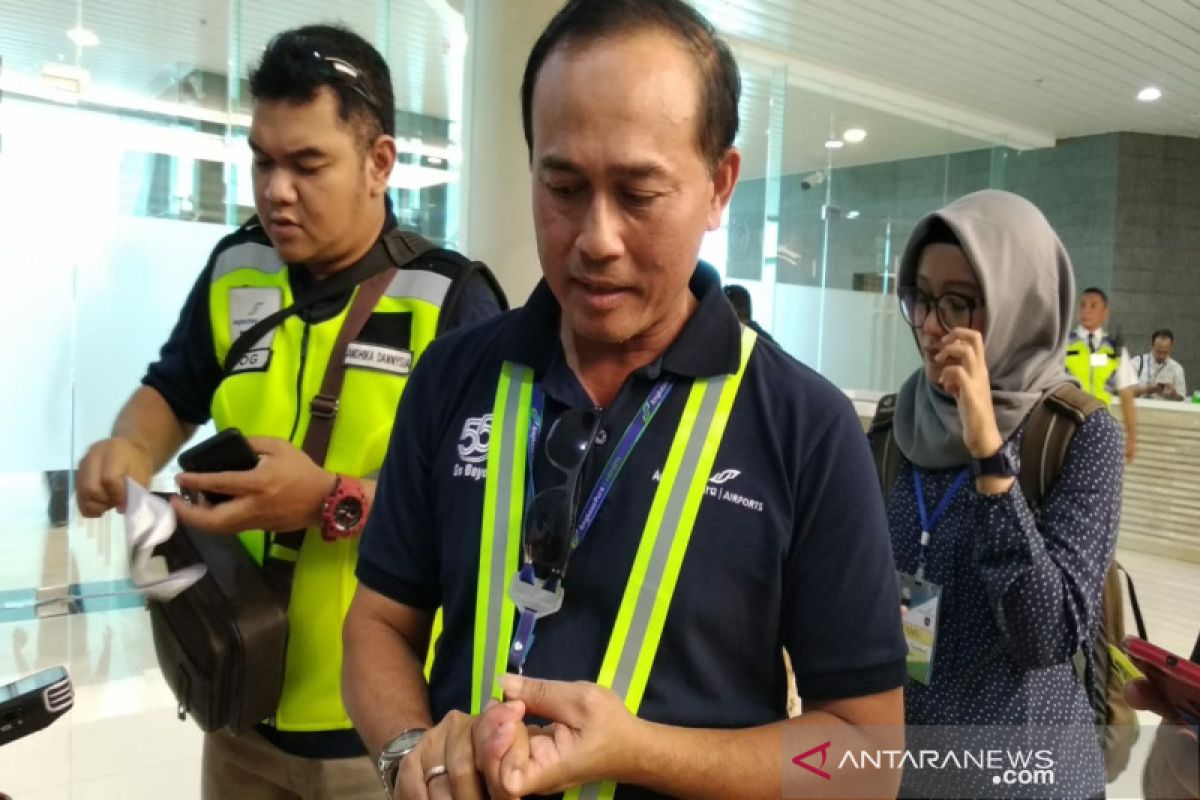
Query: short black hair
[581, 22]
[298, 62]
[739, 298]
[1096, 291]
[1162, 333]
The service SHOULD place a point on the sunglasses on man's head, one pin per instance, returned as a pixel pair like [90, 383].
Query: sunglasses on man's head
[344, 71]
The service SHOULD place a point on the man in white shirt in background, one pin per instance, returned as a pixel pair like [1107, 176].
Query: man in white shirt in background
[1101, 364]
[1158, 375]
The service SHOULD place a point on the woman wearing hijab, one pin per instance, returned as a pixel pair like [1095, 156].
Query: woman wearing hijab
[997, 599]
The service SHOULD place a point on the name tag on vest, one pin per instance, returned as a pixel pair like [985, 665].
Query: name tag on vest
[394, 360]
[248, 305]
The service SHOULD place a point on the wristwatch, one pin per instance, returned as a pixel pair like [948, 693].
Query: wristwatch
[393, 753]
[344, 510]
[1006, 463]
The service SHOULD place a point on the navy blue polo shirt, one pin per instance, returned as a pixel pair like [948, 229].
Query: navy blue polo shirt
[790, 546]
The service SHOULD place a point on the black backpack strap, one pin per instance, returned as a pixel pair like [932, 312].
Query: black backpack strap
[466, 270]
[882, 437]
[395, 248]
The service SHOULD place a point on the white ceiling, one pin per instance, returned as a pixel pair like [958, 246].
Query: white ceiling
[922, 76]
[1062, 67]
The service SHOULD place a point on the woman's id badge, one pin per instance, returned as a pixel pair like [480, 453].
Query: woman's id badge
[920, 600]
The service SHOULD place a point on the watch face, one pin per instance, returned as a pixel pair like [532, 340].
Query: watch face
[403, 744]
[347, 513]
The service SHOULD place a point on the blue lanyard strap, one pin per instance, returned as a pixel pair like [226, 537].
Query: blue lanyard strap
[929, 522]
[523, 638]
[637, 426]
[537, 403]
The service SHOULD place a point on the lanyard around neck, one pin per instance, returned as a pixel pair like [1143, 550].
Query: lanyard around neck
[616, 461]
[929, 522]
[523, 638]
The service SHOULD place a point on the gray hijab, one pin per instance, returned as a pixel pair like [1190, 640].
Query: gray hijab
[1029, 292]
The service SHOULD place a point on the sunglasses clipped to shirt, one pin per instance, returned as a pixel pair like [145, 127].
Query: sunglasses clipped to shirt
[555, 522]
[550, 528]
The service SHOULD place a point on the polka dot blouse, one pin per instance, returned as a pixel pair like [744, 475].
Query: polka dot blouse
[1020, 594]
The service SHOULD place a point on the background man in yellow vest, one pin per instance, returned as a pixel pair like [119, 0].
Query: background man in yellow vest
[1101, 364]
[693, 500]
[322, 139]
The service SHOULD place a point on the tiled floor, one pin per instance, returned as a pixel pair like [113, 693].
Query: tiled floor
[122, 740]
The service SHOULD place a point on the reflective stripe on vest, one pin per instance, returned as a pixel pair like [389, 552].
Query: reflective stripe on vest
[269, 402]
[1094, 380]
[500, 536]
[650, 588]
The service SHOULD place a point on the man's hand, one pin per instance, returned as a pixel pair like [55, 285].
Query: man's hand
[283, 493]
[100, 482]
[592, 736]
[449, 750]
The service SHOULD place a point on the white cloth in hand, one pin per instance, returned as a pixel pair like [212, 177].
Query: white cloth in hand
[149, 521]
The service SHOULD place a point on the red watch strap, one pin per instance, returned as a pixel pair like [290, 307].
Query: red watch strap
[334, 524]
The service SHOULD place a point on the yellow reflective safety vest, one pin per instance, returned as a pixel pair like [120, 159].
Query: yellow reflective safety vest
[642, 614]
[1085, 364]
[268, 394]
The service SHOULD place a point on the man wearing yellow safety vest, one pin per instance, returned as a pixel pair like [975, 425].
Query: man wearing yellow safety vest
[617, 493]
[1101, 365]
[323, 144]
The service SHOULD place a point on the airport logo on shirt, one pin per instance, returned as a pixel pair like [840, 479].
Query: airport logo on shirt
[473, 448]
[717, 488]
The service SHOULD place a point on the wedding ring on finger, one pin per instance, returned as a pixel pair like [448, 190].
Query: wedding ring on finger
[434, 772]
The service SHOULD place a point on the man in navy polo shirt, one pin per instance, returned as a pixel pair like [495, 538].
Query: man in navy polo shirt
[614, 491]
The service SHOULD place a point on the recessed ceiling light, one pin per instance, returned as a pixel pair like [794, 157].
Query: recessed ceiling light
[834, 144]
[854, 135]
[851, 215]
[1149, 94]
[82, 37]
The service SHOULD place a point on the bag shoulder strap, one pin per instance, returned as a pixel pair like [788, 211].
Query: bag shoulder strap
[279, 560]
[392, 252]
[1048, 434]
[395, 248]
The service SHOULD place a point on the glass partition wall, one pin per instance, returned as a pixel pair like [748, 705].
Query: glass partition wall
[123, 160]
[830, 192]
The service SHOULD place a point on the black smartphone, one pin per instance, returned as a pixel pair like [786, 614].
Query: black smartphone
[30, 704]
[228, 451]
